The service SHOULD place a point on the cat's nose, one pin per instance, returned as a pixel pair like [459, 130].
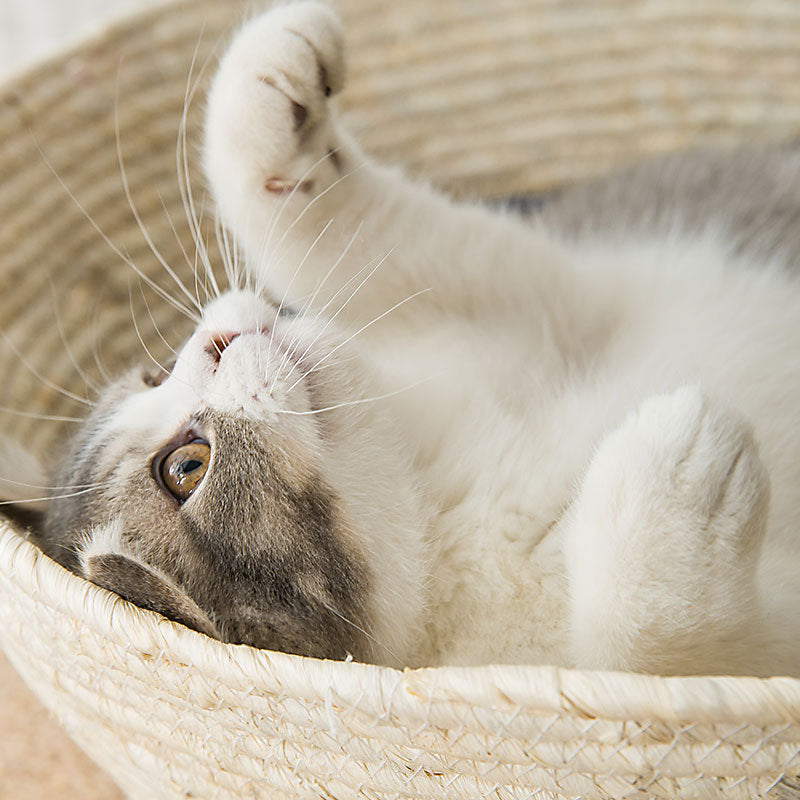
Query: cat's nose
[217, 342]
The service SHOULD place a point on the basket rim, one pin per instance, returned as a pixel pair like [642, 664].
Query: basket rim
[539, 689]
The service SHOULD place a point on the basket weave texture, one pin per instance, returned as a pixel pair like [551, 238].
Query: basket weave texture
[485, 97]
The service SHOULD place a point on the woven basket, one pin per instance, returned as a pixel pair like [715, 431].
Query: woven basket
[494, 97]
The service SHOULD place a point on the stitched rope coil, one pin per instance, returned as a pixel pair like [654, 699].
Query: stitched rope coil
[493, 99]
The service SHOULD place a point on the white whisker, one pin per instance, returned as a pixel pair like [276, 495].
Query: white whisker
[357, 402]
[289, 286]
[332, 318]
[55, 488]
[70, 355]
[150, 282]
[33, 415]
[276, 214]
[360, 331]
[139, 222]
[328, 321]
[155, 324]
[361, 630]
[52, 497]
[139, 335]
[316, 199]
[182, 164]
[223, 245]
[186, 258]
[95, 337]
[46, 381]
[310, 302]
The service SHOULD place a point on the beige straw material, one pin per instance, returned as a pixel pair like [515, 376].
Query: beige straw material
[486, 97]
[172, 714]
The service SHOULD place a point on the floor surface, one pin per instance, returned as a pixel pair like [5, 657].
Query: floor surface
[37, 759]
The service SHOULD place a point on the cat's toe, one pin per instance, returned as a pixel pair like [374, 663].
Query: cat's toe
[320, 27]
[702, 460]
[297, 49]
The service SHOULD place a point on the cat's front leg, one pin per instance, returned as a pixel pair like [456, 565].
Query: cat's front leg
[321, 221]
[286, 179]
[662, 542]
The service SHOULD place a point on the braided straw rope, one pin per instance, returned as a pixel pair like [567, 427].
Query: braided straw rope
[493, 97]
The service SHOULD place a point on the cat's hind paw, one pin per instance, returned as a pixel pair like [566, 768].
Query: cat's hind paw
[690, 469]
[665, 533]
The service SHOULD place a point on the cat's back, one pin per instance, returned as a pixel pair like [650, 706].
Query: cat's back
[748, 196]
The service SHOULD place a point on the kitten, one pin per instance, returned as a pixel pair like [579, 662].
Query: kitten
[454, 438]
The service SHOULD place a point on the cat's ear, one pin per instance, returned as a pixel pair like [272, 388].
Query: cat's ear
[23, 484]
[104, 563]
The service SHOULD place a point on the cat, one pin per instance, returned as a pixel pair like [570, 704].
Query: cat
[435, 433]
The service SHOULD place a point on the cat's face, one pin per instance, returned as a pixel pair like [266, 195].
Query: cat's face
[231, 497]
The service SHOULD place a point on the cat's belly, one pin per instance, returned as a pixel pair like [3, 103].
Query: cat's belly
[498, 591]
[498, 465]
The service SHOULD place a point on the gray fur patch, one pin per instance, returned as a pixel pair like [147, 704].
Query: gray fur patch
[139, 585]
[749, 194]
[265, 558]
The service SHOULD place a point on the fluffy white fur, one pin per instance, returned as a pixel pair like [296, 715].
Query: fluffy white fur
[101, 541]
[583, 508]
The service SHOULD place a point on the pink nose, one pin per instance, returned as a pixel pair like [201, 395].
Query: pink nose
[217, 344]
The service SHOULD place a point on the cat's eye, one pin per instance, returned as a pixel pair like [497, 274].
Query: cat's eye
[183, 468]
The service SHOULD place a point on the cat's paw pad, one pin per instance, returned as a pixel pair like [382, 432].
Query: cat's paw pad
[269, 108]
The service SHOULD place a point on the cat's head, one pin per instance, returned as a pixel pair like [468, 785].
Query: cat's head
[248, 493]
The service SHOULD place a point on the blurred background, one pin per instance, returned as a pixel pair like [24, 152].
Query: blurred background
[32, 29]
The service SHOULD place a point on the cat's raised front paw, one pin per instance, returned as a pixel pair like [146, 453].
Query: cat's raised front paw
[269, 127]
